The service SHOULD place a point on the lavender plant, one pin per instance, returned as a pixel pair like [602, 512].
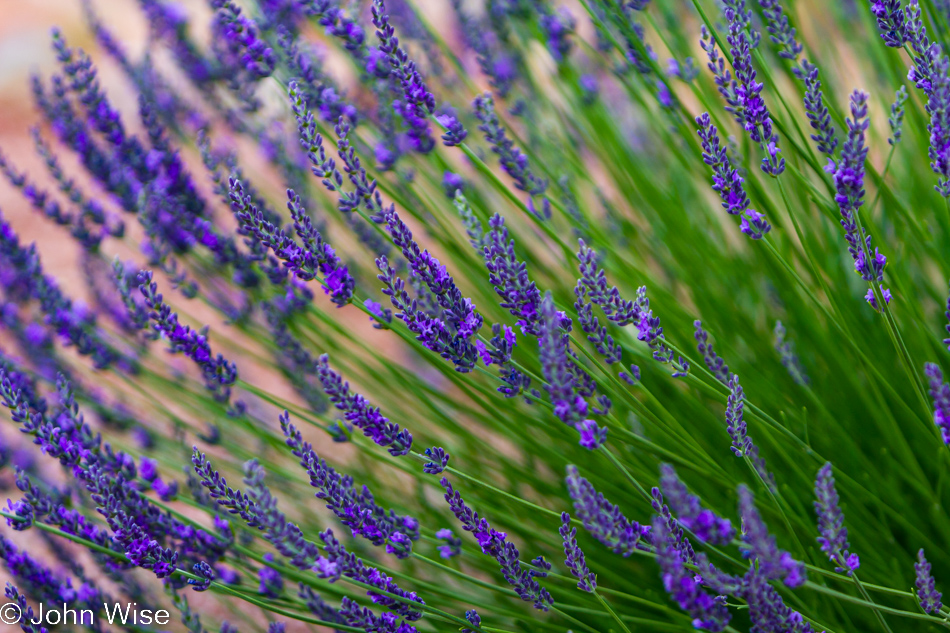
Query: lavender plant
[418, 316]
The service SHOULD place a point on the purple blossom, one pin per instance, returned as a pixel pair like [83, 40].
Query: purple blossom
[453, 544]
[240, 36]
[685, 587]
[417, 103]
[817, 112]
[773, 563]
[271, 582]
[849, 183]
[940, 392]
[926, 587]
[624, 312]
[789, 358]
[357, 510]
[353, 614]
[896, 118]
[440, 459]
[574, 556]
[360, 413]
[702, 522]
[344, 563]
[512, 159]
[315, 258]
[890, 20]
[556, 367]
[495, 544]
[727, 182]
[713, 361]
[741, 91]
[452, 182]
[742, 444]
[558, 27]
[834, 536]
[603, 520]
[219, 373]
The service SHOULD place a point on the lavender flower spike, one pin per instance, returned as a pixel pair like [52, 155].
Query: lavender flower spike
[789, 358]
[834, 536]
[940, 392]
[602, 519]
[569, 405]
[896, 120]
[684, 586]
[849, 183]
[890, 19]
[513, 161]
[926, 589]
[741, 91]
[742, 444]
[773, 563]
[702, 522]
[575, 560]
[360, 413]
[727, 182]
[714, 362]
[219, 373]
[494, 544]
[417, 102]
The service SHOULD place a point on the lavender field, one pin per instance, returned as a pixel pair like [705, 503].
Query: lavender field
[490, 316]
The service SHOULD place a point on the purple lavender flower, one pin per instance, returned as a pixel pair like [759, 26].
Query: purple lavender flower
[926, 587]
[896, 119]
[509, 276]
[340, 562]
[569, 405]
[452, 182]
[940, 392]
[834, 536]
[817, 112]
[590, 325]
[713, 361]
[623, 312]
[849, 183]
[702, 522]
[513, 161]
[789, 358]
[358, 411]
[890, 20]
[575, 560]
[356, 510]
[355, 615]
[496, 545]
[240, 35]
[316, 257]
[440, 459]
[74, 325]
[773, 563]
[781, 32]
[684, 586]
[557, 28]
[931, 74]
[272, 583]
[742, 444]
[417, 102]
[453, 544]
[727, 182]
[455, 132]
[219, 373]
[741, 90]
[603, 520]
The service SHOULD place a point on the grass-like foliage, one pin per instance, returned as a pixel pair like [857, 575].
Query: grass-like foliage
[614, 316]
